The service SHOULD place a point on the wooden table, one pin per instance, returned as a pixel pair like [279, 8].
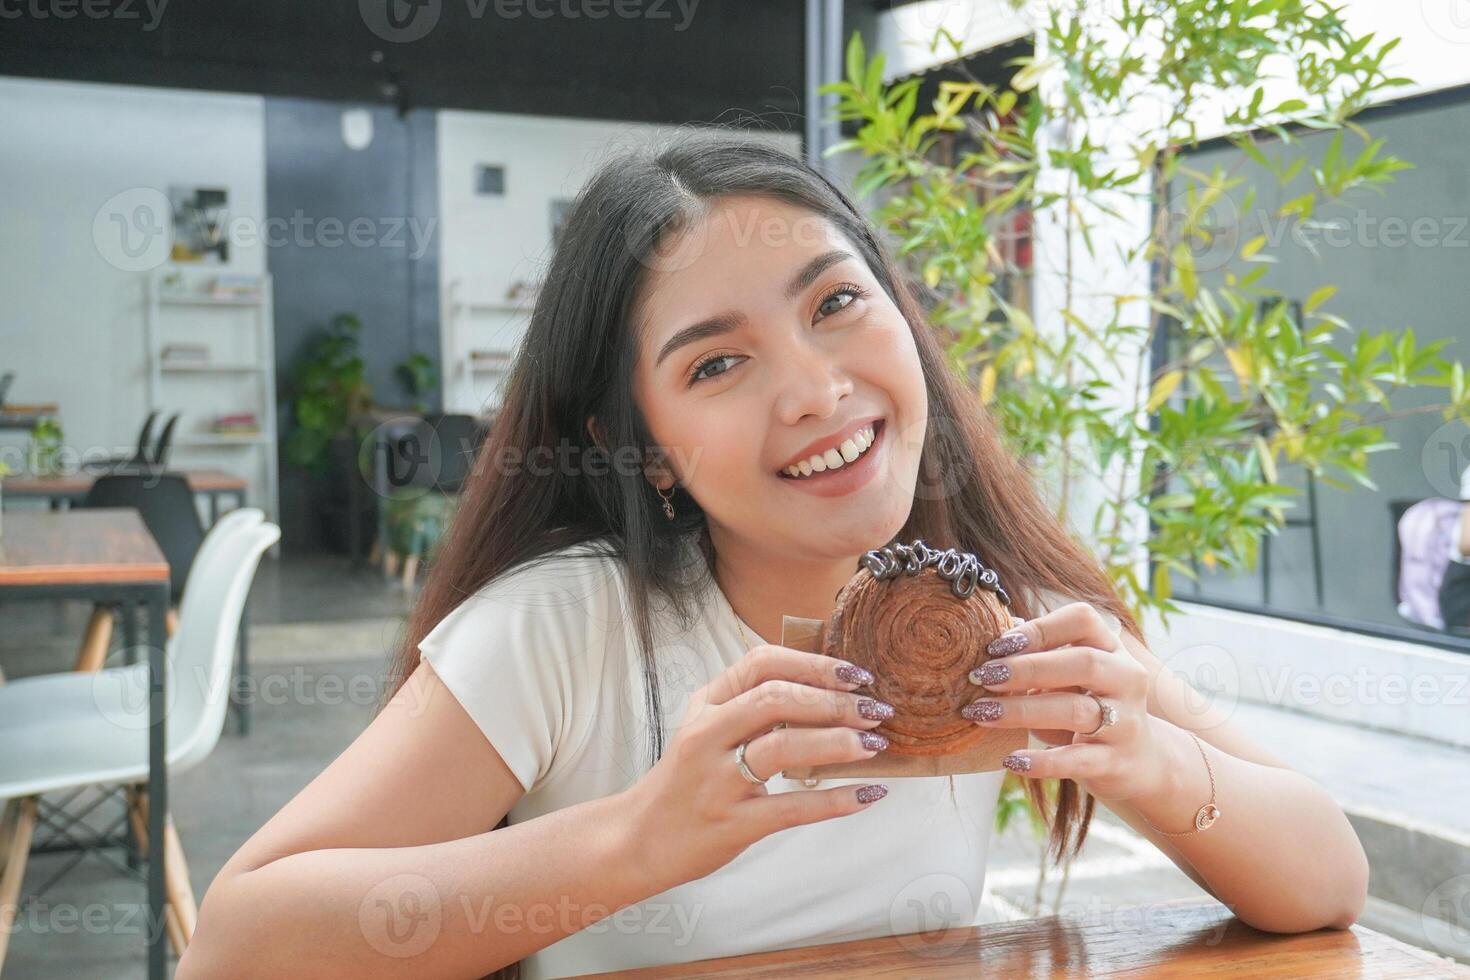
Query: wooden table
[1188, 939]
[25, 417]
[104, 555]
[72, 487]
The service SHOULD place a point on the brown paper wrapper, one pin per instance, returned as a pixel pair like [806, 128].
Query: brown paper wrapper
[982, 755]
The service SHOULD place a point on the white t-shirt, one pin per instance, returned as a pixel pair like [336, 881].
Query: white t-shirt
[545, 660]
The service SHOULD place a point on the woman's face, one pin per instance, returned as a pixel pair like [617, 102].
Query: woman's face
[801, 354]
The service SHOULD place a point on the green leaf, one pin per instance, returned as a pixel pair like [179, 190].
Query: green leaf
[1162, 389]
[855, 58]
[1319, 296]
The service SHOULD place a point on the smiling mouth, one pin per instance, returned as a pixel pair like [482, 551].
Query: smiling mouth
[829, 469]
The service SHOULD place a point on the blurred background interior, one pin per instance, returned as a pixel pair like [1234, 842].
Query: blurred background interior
[274, 257]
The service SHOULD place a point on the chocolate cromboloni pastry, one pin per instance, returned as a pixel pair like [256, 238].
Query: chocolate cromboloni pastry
[920, 619]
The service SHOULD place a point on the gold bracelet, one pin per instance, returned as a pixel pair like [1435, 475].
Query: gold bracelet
[1205, 817]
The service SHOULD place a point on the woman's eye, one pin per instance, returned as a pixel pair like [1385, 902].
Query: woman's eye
[850, 292]
[698, 372]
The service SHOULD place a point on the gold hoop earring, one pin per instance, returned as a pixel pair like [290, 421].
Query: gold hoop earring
[668, 507]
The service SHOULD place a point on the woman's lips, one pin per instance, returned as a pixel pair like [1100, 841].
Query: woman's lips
[848, 477]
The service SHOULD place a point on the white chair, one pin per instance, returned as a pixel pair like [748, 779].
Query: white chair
[71, 730]
[98, 635]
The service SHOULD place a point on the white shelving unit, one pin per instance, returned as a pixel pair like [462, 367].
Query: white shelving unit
[478, 326]
[240, 375]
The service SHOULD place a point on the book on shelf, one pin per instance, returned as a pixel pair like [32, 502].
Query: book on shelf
[236, 287]
[185, 355]
[238, 424]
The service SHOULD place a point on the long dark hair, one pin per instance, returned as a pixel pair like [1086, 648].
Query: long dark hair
[576, 360]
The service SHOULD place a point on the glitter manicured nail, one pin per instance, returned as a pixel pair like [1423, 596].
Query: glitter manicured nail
[1013, 641]
[1017, 763]
[991, 673]
[875, 710]
[867, 794]
[873, 742]
[853, 674]
[982, 710]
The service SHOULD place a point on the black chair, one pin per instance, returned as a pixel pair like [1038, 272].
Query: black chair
[166, 504]
[140, 457]
[458, 438]
[437, 450]
[165, 443]
[436, 453]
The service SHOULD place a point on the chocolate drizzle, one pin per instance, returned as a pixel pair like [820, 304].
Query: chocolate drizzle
[962, 569]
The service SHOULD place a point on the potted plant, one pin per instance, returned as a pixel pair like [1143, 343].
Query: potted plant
[1197, 440]
[330, 392]
[43, 455]
[419, 376]
[4, 472]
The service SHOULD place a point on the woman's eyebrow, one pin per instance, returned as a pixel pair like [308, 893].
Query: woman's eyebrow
[722, 323]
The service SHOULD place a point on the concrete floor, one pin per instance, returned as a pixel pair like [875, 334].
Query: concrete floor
[318, 627]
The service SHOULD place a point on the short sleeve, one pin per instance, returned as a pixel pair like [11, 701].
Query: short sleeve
[525, 651]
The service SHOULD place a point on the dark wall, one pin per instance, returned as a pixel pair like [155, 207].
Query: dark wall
[349, 231]
[1398, 253]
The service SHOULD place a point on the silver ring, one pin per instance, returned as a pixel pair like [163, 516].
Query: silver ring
[744, 769]
[1109, 714]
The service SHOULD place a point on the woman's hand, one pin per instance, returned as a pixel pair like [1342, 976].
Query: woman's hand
[694, 811]
[1049, 665]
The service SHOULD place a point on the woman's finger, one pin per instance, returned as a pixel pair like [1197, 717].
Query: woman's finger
[1072, 712]
[1103, 672]
[1075, 624]
[771, 812]
[770, 661]
[757, 710]
[791, 748]
[1086, 761]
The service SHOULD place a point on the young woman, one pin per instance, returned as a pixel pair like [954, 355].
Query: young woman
[725, 396]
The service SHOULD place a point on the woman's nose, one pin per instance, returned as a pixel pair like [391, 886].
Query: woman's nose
[810, 381]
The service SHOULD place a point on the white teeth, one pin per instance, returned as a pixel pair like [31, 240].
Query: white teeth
[832, 459]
